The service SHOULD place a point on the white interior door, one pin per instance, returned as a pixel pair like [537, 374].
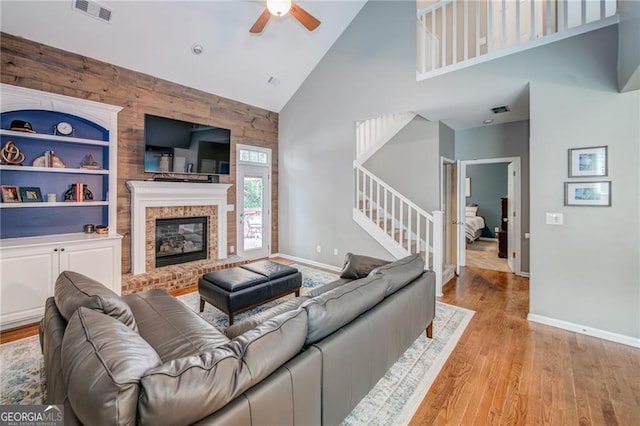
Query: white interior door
[450, 209]
[254, 202]
[460, 213]
[511, 235]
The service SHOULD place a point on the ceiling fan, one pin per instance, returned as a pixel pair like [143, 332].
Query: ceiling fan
[281, 8]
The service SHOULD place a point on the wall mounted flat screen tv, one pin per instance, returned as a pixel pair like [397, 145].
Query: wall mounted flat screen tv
[175, 146]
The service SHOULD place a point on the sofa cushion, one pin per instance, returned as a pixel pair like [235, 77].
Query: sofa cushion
[401, 272]
[186, 390]
[171, 328]
[358, 266]
[328, 287]
[253, 321]
[335, 308]
[73, 289]
[102, 362]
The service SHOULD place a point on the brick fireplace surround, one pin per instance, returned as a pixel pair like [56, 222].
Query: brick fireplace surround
[161, 200]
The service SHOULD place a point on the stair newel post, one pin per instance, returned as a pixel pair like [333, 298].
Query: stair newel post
[438, 246]
[378, 204]
[386, 209]
[401, 226]
[409, 214]
[369, 204]
[393, 216]
[418, 220]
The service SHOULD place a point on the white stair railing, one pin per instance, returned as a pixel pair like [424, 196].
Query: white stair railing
[398, 224]
[453, 34]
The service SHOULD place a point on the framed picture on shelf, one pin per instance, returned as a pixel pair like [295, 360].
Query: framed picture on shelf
[588, 162]
[30, 194]
[587, 194]
[10, 194]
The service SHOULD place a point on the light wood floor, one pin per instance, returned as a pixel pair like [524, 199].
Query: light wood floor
[508, 371]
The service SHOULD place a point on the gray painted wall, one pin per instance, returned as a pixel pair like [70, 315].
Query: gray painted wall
[447, 142]
[497, 141]
[585, 272]
[488, 186]
[629, 70]
[415, 149]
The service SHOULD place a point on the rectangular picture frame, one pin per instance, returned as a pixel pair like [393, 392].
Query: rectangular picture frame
[10, 194]
[592, 194]
[30, 194]
[588, 162]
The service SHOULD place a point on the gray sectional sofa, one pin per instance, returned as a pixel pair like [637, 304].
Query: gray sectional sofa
[148, 359]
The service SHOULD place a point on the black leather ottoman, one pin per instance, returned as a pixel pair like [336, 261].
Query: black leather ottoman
[239, 289]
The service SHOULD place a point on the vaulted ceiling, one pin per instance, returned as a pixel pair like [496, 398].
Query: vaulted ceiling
[157, 37]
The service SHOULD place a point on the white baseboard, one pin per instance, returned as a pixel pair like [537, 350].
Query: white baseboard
[523, 274]
[583, 329]
[307, 261]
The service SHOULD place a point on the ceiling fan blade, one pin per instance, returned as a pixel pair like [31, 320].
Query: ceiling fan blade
[304, 17]
[261, 22]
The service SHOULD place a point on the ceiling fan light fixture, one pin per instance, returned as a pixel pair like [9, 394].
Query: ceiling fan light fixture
[279, 7]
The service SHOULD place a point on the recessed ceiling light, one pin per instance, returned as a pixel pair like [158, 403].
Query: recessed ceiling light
[197, 49]
[273, 80]
[487, 121]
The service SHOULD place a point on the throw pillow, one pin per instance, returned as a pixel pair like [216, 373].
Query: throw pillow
[102, 363]
[358, 266]
[72, 290]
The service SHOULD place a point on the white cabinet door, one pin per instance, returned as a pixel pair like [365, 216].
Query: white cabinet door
[99, 260]
[29, 271]
[27, 277]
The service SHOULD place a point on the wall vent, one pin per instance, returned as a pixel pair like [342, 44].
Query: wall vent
[94, 9]
[500, 109]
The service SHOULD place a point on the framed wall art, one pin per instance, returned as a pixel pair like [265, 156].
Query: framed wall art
[587, 194]
[588, 162]
[30, 194]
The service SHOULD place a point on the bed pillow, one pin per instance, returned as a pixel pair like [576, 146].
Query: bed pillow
[471, 210]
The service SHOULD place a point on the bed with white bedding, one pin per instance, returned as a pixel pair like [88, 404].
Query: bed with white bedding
[474, 224]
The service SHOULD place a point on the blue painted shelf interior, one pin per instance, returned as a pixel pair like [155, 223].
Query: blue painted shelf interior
[32, 221]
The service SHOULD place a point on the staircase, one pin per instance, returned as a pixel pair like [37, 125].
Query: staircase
[394, 221]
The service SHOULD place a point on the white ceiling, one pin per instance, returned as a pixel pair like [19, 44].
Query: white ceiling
[156, 37]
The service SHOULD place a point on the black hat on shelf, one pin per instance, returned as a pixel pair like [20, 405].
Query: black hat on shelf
[22, 126]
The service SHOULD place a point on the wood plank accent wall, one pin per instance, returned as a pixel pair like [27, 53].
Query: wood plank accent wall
[38, 66]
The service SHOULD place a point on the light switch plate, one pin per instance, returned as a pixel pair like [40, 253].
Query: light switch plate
[555, 219]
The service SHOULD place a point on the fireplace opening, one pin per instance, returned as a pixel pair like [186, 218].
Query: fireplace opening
[181, 240]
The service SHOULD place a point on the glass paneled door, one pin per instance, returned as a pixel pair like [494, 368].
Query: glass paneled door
[254, 202]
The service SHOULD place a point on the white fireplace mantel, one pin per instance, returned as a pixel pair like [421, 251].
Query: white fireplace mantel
[169, 194]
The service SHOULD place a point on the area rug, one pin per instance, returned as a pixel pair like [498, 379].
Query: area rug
[392, 401]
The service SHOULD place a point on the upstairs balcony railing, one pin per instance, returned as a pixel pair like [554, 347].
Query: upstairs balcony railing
[452, 34]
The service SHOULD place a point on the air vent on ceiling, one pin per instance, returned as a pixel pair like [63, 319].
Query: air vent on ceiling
[93, 8]
[500, 109]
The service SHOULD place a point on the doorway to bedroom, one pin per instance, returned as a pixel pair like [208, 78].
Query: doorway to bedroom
[490, 194]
